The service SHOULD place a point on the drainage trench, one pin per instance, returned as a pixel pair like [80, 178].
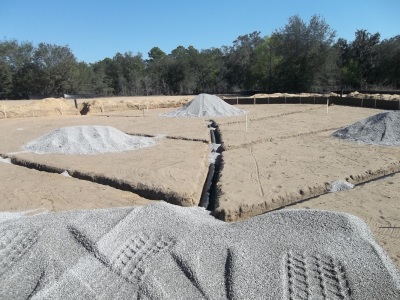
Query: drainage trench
[209, 194]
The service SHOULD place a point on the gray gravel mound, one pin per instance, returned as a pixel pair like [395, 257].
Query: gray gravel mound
[86, 140]
[380, 129]
[162, 251]
[340, 185]
[205, 105]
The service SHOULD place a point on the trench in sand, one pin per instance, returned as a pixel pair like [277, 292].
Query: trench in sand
[207, 199]
[232, 212]
[343, 160]
[121, 175]
[211, 185]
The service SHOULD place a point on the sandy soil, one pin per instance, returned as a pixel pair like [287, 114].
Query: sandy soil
[373, 96]
[23, 189]
[267, 123]
[176, 167]
[376, 202]
[286, 155]
[60, 106]
[32, 108]
[20, 131]
[289, 156]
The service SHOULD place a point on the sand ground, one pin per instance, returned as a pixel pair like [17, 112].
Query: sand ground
[286, 155]
[376, 202]
[176, 166]
[24, 189]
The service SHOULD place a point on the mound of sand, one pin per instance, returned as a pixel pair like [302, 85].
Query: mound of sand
[374, 96]
[86, 140]
[379, 129]
[187, 254]
[126, 103]
[303, 95]
[205, 105]
[39, 108]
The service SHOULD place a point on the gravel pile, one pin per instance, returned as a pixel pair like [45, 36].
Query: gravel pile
[162, 251]
[86, 140]
[205, 105]
[380, 129]
[5, 160]
[340, 185]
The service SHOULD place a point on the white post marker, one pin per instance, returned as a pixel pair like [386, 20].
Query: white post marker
[327, 104]
[4, 110]
[237, 100]
[254, 99]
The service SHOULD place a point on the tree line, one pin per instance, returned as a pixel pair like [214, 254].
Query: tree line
[299, 57]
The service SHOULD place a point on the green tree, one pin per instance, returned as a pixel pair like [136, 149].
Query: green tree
[264, 68]
[307, 56]
[15, 58]
[239, 59]
[103, 81]
[156, 70]
[209, 72]
[55, 66]
[5, 80]
[387, 73]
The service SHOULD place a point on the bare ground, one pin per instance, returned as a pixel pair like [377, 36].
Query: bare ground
[285, 155]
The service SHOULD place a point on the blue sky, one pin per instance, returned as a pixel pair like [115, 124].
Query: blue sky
[96, 29]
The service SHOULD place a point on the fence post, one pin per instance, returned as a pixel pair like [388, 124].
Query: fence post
[237, 100]
[254, 99]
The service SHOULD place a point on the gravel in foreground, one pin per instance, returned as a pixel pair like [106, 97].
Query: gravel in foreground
[161, 251]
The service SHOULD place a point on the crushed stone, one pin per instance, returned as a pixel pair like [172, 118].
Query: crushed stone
[147, 252]
[205, 105]
[380, 129]
[340, 185]
[87, 140]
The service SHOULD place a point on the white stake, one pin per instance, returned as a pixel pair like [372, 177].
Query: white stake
[4, 110]
[254, 98]
[237, 100]
[327, 105]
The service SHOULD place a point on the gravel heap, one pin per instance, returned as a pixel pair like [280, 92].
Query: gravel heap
[380, 129]
[205, 105]
[162, 251]
[86, 140]
[5, 160]
[340, 185]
